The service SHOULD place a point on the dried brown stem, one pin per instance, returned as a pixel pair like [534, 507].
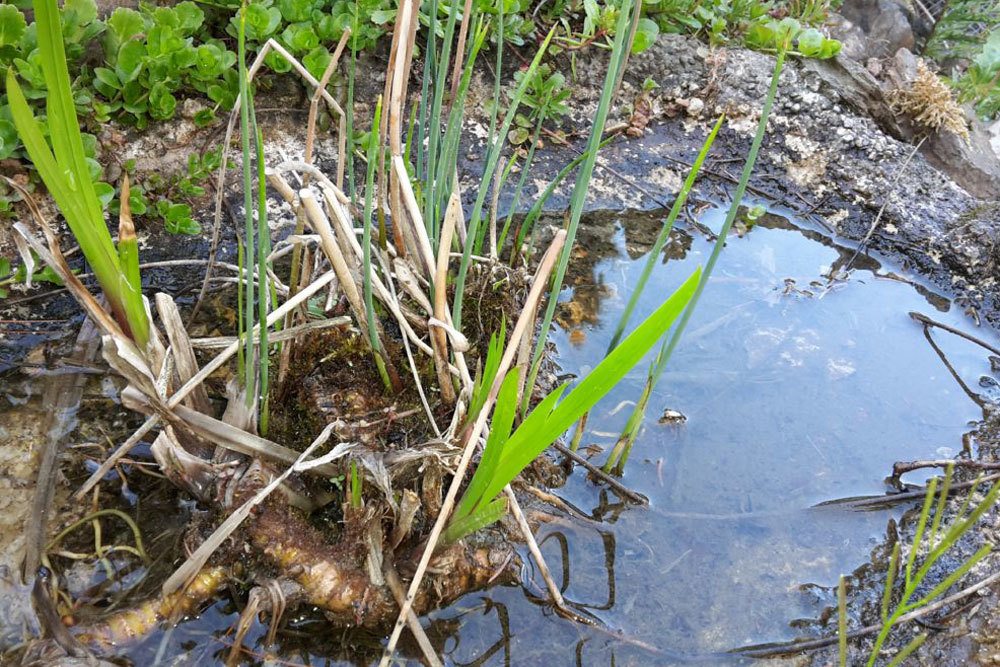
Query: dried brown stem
[523, 323]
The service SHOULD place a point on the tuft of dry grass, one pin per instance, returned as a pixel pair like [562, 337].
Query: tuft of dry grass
[928, 102]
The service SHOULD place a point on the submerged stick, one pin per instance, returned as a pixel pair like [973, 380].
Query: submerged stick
[522, 326]
[536, 553]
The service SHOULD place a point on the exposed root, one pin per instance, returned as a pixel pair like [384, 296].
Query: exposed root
[334, 577]
[139, 621]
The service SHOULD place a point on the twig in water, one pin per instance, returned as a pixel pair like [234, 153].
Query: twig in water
[928, 322]
[620, 488]
[902, 467]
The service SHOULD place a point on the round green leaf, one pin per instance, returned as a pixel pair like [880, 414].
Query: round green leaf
[12, 25]
[645, 35]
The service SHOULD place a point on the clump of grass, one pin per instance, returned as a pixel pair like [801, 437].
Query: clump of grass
[507, 454]
[928, 102]
[934, 540]
[66, 173]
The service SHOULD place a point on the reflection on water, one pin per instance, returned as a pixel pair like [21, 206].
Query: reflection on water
[792, 393]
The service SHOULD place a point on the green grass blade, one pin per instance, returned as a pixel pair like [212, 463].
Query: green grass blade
[547, 423]
[942, 498]
[531, 217]
[914, 644]
[436, 176]
[66, 174]
[64, 129]
[447, 157]
[654, 254]
[582, 181]
[266, 292]
[491, 164]
[488, 514]
[349, 125]
[249, 379]
[355, 486]
[489, 372]
[953, 577]
[925, 511]
[500, 426]
[670, 344]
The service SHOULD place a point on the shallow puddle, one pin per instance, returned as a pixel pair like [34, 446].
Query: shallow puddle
[783, 393]
[793, 394]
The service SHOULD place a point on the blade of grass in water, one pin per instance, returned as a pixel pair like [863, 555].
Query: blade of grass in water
[620, 452]
[531, 217]
[491, 164]
[580, 189]
[654, 254]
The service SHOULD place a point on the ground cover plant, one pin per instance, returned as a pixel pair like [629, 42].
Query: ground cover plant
[137, 66]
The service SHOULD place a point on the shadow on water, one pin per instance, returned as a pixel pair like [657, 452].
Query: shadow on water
[784, 392]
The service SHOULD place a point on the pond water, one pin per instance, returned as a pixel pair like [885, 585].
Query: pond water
[790, 399]
[791, 394]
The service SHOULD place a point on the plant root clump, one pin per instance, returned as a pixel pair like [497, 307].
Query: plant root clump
[928, 101]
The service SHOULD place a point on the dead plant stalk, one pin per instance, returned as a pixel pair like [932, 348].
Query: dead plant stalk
[524, 323]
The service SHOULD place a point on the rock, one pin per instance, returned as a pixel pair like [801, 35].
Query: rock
[851, 36]
[890, 31]
[973, 164]
[995, 137]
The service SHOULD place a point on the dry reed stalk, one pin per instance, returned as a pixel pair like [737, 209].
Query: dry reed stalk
[215, 364]
[314, 108]
[524, 322]
[536, 553]
[463, 33]
[220, 179]
[321, 224]
[396, 87]
[415, 228]
[438, 337]
[398, 592]
[180, 344]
